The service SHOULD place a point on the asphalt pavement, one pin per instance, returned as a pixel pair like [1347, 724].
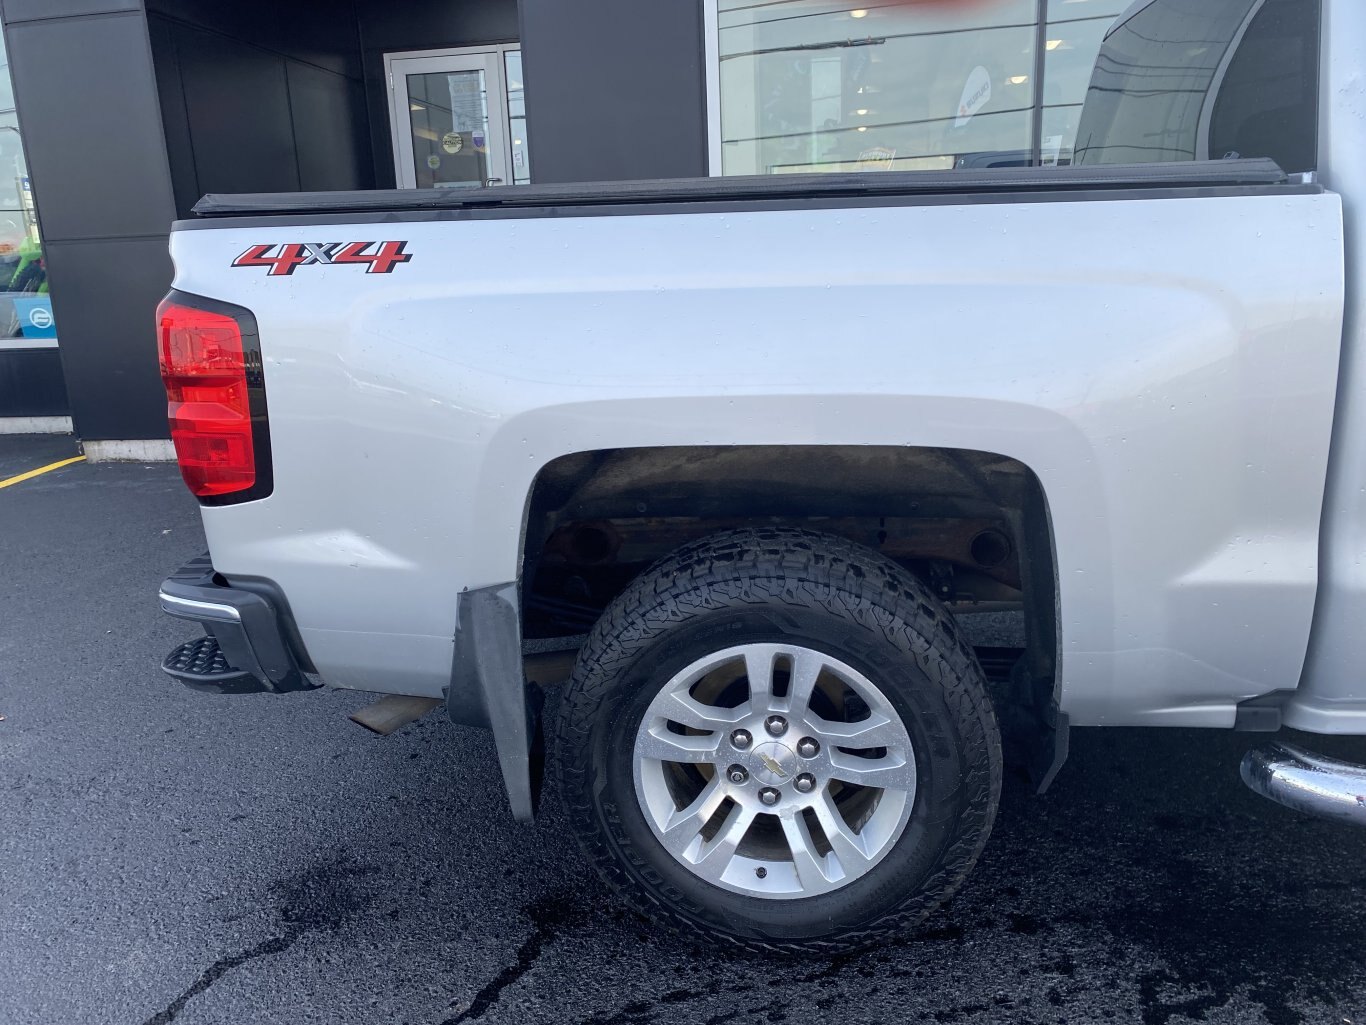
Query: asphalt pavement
[167, 856]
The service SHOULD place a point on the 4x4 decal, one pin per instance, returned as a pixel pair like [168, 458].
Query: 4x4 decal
[284, 259]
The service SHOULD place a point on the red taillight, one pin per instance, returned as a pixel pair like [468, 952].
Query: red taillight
[204, 365]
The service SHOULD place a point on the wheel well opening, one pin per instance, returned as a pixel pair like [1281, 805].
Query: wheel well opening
[972, 525]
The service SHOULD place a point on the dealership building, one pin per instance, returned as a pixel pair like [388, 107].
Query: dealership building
[116, 116]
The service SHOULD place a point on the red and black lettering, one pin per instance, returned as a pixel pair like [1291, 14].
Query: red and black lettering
[283, 264]
[383, 261]
[284, 259]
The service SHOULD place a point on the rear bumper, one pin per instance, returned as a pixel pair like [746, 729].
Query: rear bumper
[253, 646]
[250, 625]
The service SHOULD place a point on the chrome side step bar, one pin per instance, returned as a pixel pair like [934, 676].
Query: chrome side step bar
[1307, 783]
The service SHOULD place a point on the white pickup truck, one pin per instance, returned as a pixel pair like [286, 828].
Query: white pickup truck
[757, 449]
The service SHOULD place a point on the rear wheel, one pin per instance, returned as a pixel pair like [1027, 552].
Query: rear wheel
[778, 737]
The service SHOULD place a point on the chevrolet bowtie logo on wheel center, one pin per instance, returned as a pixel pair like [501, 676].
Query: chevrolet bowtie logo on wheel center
[773, 766]
[775, 763]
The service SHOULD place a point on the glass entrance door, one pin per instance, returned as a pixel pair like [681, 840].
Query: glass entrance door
[452, 125]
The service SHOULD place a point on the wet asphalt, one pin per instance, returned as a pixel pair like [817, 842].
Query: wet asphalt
[171, 857]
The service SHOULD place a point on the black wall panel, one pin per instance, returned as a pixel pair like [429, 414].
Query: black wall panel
[87, 101]
[318, 32]
[385, 25]
[31, 383]
[175, 114]
[246, 110]
[88, 105]
[105, 296]
[36, 10]
[237, 99]
[615, 89]
[330, 130]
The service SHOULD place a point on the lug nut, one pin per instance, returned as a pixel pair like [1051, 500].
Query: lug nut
[805, 783]
[776, 725]
[807, 747]
[737, 774]
[769, 796]
[741, 739]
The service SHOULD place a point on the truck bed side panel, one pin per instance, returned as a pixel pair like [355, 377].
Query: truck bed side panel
[1164, 363]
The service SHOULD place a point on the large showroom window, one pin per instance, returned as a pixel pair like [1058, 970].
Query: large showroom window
[26, 320]
[818, 86]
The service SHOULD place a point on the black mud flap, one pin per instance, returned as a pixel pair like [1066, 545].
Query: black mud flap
[1036, 734]
[489, 688]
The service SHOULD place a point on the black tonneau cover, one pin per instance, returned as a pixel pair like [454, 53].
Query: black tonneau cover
[1226, 173]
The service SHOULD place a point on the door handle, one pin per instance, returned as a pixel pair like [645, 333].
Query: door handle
[494, 181]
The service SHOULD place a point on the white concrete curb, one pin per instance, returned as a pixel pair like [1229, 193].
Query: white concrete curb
[35, 425]
[129, 451]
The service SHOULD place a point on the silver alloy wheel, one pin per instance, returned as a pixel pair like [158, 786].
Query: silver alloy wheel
[752, 707]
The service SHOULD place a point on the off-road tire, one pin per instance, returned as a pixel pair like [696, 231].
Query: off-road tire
[801, 587]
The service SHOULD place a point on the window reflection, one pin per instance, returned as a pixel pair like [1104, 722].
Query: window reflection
[818, 85]
[1221, 78]
[1075, 31]
[812, 86]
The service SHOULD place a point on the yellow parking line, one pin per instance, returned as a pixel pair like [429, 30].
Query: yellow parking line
[40, 471]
